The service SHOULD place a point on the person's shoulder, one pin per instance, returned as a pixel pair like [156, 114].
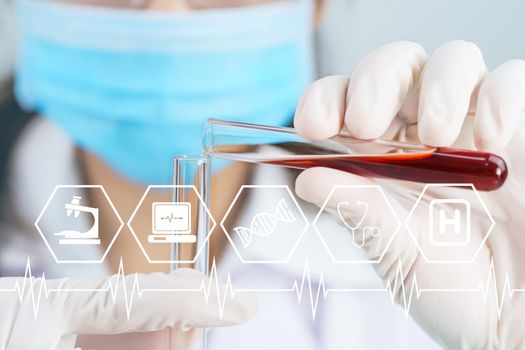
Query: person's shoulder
[43, 157]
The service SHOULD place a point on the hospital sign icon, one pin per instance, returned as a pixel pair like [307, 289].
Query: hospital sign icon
[442, 227]
[449, 222]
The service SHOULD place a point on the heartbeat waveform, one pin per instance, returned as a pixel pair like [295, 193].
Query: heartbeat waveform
[113, 285]
[315, 290]
[483, 288]
[171, 218]
[396, 286]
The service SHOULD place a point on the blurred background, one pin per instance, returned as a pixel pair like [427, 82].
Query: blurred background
[352, 28]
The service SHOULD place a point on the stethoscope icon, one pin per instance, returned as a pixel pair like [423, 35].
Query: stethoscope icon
[372, 231]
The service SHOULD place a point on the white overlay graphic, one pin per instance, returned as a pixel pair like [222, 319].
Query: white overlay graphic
[171, 223]
[75, 237]
[263, 224]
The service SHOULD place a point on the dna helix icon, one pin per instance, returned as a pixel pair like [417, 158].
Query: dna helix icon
[263, 224]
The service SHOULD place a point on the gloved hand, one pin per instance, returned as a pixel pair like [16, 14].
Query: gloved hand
[448, 99]
[62, 315]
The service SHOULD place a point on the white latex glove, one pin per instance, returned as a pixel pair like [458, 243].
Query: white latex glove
[62, 315]
[447, 99]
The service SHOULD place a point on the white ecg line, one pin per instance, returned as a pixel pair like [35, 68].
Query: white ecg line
[299, 287]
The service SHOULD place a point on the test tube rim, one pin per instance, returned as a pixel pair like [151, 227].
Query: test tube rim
[191, 157]
[208, 135]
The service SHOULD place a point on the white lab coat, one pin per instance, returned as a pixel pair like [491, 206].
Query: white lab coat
[45, 157]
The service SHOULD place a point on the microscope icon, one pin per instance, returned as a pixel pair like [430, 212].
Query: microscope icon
[72, 237]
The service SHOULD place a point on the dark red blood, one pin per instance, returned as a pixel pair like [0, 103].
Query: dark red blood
[485, 171]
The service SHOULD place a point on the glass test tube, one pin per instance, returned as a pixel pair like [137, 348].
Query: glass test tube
[192, 173]
[371, 158]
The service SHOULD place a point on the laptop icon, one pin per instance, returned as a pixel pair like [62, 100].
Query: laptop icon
[171, 223]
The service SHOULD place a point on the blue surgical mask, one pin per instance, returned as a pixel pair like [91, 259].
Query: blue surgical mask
[136, 87]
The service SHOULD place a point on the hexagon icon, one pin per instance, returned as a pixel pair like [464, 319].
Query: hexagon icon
[449, 223]
[362, 202]
[269, 229]
[163, 226]
[70, 226]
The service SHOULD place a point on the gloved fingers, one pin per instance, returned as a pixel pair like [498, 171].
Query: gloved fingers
[448, 86]
[183, 299]
[381, 84]
[500, 106]
[309, 188]
[321, 109]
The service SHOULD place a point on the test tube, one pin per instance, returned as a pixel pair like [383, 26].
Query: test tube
[283, 146]
[191, 175]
